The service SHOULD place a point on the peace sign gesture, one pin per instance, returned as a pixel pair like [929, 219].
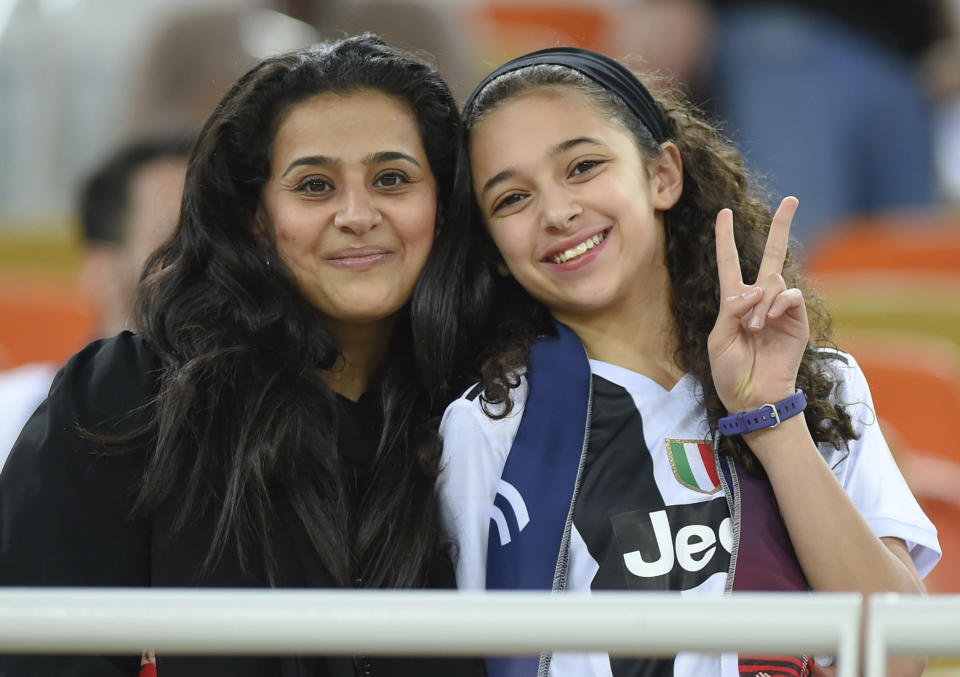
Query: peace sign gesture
[761, 331]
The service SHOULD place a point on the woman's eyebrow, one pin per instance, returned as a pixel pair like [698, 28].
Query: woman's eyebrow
[372, 158]
[311, 160]
[389, 156]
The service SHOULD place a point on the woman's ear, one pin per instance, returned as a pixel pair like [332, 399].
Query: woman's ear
[261, 224]
[667, 177]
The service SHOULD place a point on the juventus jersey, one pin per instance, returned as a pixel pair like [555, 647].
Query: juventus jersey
[651, 513]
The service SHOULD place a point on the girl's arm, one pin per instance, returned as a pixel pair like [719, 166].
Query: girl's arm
[755, 351]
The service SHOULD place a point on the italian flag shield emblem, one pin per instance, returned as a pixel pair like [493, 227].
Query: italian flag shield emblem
[694, 465]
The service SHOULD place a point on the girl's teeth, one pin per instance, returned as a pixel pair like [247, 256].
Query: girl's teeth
[580, 249]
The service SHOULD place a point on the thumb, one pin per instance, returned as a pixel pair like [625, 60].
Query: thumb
[734, 308]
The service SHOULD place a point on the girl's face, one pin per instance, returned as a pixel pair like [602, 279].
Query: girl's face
[571, 205]
[352, 203]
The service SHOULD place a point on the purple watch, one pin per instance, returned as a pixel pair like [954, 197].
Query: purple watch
[767, 416]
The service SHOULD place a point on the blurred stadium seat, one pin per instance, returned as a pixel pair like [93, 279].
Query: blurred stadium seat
[915, 381]
[508, 29]
[892, 284]
[41, 320]
[918, 241]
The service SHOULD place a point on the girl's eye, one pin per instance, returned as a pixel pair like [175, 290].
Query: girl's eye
[390, 180]
[508, 201]
[315, 186]
[585, 166]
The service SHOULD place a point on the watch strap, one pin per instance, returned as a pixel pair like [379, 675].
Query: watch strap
[767, 416]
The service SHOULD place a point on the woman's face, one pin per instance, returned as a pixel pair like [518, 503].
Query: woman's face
[571, 205]
[352, 203]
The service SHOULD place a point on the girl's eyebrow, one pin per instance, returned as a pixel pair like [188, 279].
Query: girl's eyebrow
[372, 158]
[561, 147]
[564, 146]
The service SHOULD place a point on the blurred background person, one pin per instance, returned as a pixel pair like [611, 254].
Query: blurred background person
[127, 207]
[826, 99]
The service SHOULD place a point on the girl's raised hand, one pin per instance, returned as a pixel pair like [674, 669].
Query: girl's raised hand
[761, 331]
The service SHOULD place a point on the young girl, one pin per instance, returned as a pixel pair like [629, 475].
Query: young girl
[659, 409]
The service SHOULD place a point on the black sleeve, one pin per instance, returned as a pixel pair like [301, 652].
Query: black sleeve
[64, 506]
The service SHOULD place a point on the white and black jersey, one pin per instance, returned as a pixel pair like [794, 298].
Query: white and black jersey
[651, 513]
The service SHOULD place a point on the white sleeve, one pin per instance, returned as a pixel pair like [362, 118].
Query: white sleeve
[871, 477]
[475, 449]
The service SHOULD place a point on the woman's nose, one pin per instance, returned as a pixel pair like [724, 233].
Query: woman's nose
[358, 213]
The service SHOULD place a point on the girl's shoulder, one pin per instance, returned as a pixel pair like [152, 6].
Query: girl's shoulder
[844, 370]
[476, 400]
[474, 417]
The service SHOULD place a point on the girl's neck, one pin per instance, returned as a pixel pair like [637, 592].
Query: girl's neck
[642, 339]
[363, 349]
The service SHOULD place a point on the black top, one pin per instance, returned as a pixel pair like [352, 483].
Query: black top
[357, 440]
[64, 521]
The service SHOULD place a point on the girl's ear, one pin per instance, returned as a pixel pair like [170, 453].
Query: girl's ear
[667, 177]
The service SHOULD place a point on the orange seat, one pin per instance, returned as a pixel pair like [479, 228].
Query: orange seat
[924, 242]
[41, 320]
[915, 382]
[508, 29]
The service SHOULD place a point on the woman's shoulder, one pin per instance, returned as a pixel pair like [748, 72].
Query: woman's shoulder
[108, 379]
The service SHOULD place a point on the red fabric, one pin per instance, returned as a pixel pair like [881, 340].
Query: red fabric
[706, 453]
[148, 670]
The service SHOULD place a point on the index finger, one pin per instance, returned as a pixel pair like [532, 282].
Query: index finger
[775, 251]
[728, 261]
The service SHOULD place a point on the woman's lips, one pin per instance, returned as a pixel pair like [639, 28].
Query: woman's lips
[358, 258]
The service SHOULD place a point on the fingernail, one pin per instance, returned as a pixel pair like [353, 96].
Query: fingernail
[755, 321]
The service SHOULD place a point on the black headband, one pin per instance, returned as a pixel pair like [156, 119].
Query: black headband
[606, 72]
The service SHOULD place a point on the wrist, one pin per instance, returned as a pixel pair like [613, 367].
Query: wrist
[768, 415]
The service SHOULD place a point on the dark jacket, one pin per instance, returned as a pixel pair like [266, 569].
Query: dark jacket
[64, 521]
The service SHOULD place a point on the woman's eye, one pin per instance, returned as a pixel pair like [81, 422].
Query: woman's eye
[315, 186]
[585, 166]
[508, 201]
[391, 180]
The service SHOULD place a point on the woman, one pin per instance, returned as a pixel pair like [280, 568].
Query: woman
[636, 425]
[269, 425]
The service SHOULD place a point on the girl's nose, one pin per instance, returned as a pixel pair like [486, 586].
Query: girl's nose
[560, 209]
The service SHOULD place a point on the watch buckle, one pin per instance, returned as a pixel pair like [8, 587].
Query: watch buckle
[776, 414]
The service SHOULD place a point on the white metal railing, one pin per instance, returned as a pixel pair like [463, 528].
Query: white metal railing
[274, 622]
[905, 624]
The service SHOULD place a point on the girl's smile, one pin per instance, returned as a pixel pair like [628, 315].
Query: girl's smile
[573, 257]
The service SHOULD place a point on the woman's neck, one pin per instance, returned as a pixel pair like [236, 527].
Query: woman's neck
[363, 349]
[642, 339]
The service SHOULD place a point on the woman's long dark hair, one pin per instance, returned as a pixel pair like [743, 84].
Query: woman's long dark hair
[243, 415]
[714, 177]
